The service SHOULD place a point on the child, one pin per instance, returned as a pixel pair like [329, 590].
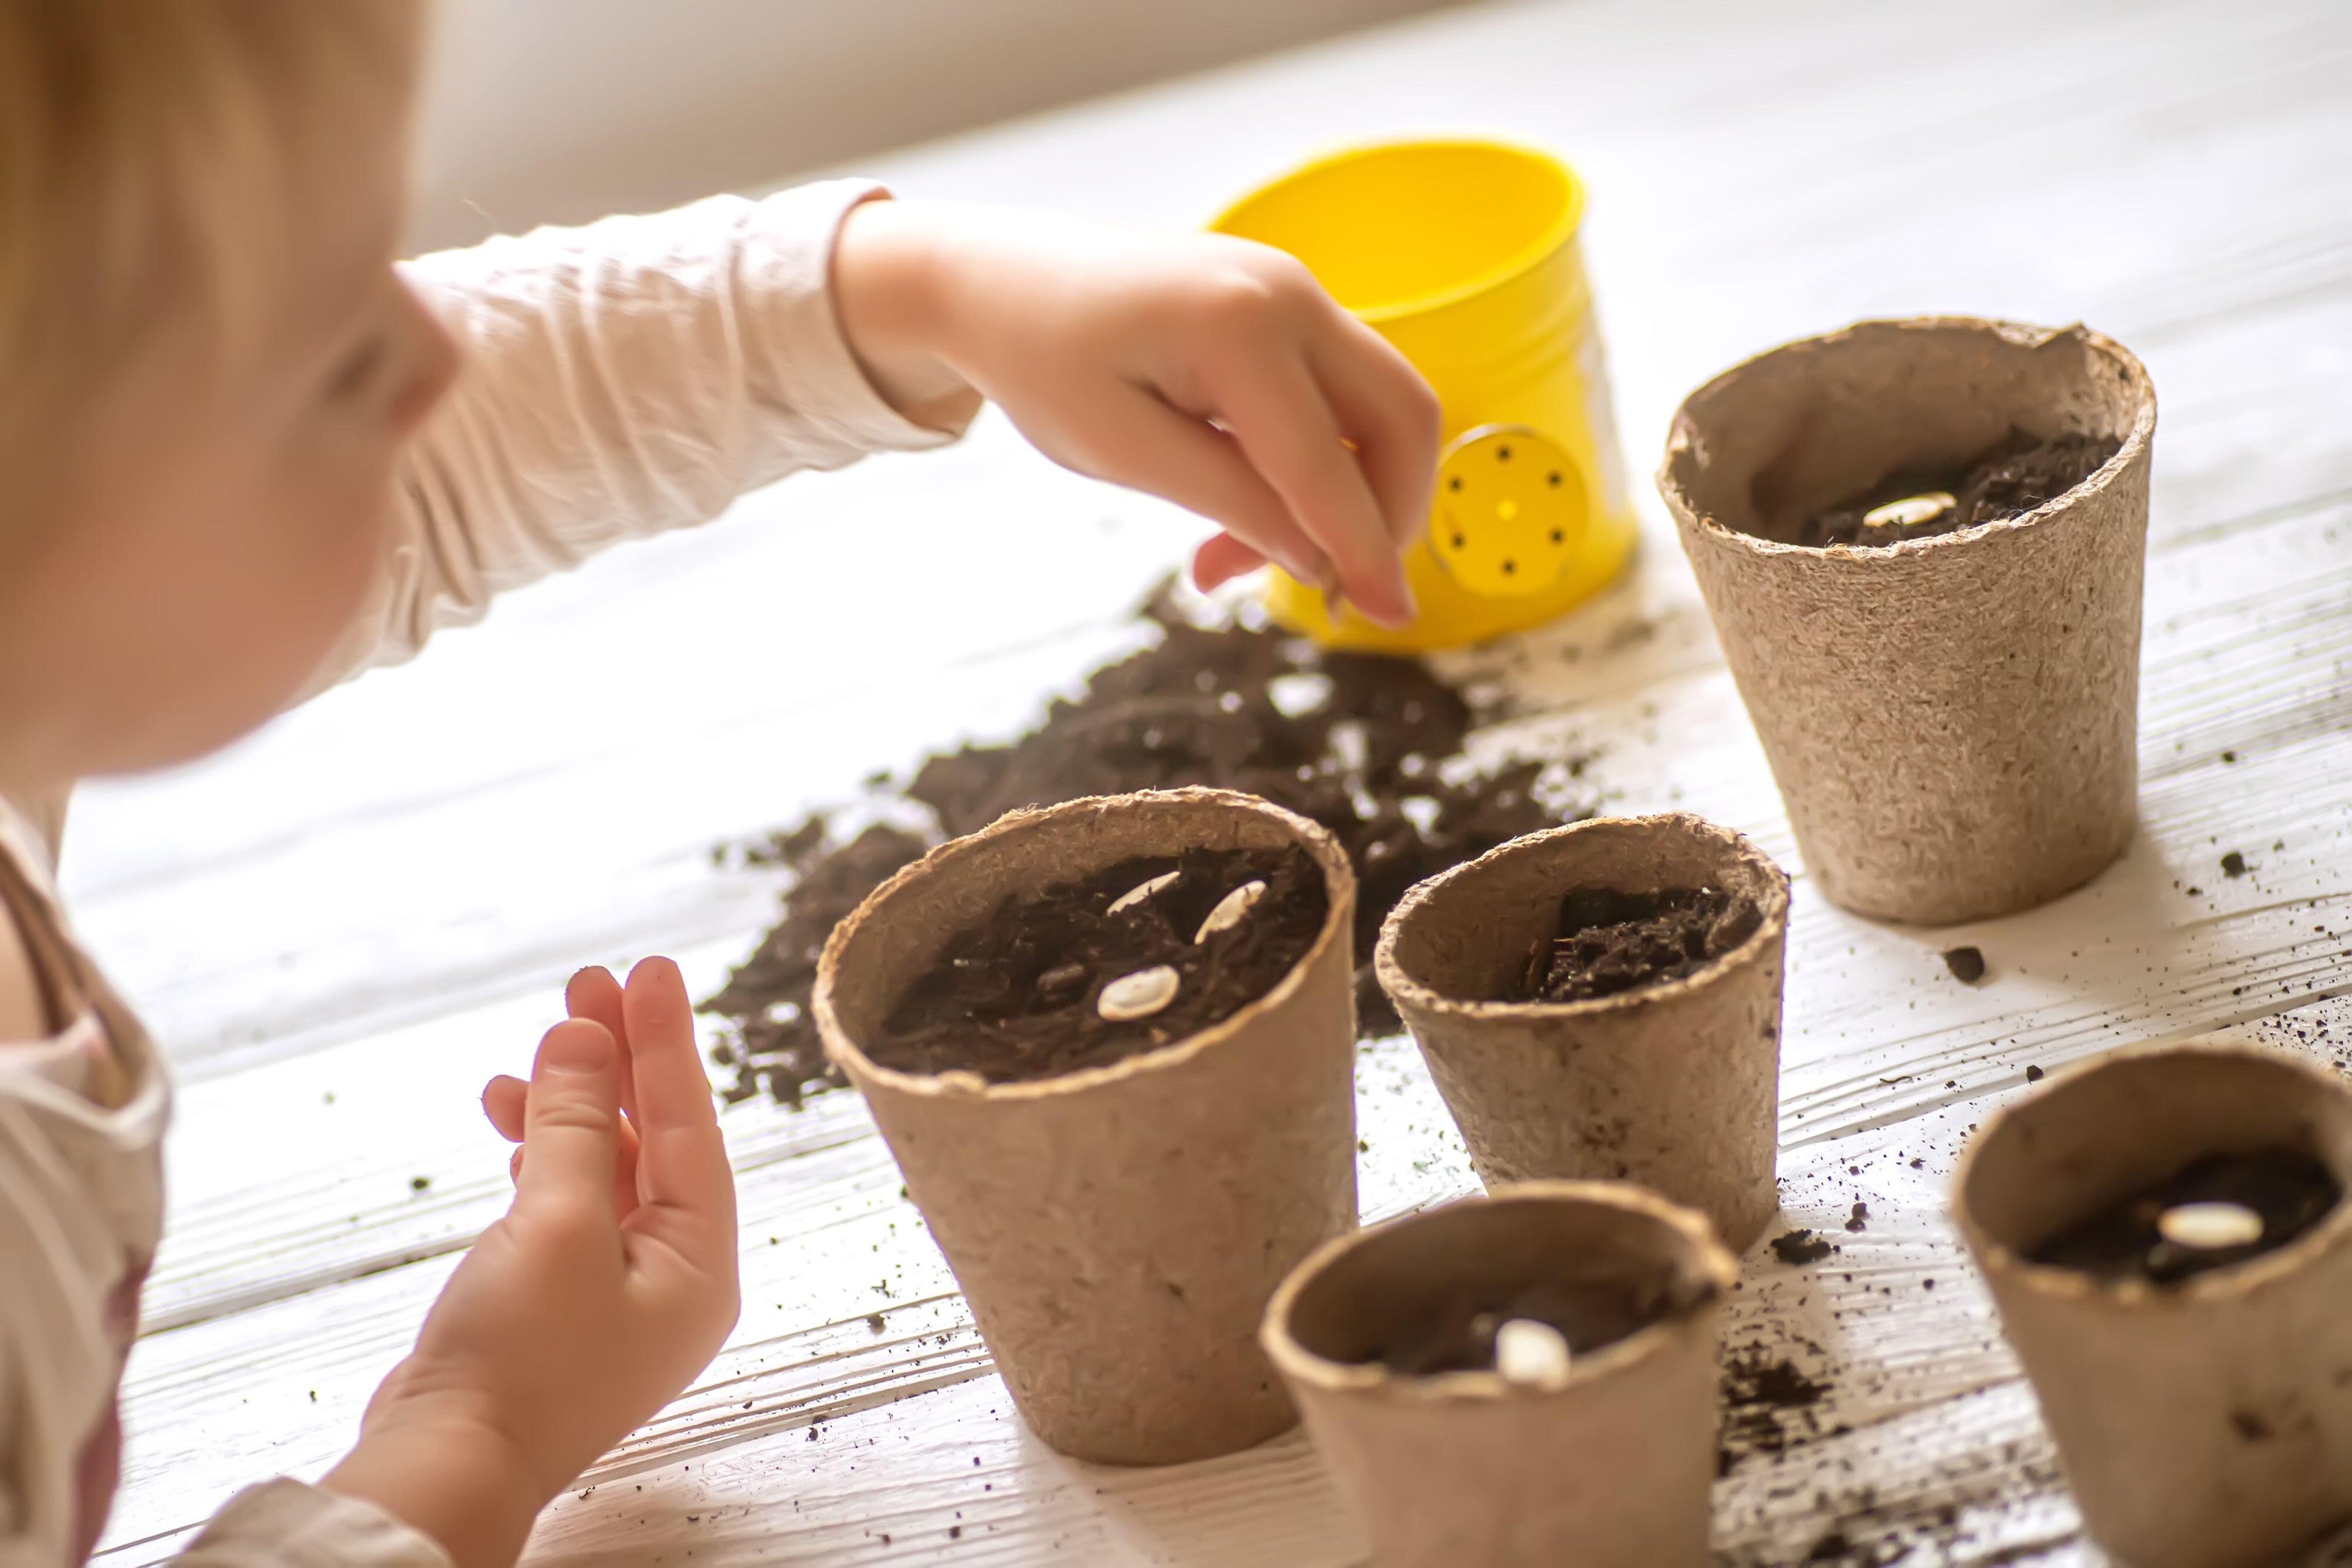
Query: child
[244, 455]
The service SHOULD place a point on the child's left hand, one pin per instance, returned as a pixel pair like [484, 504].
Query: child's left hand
[1209, 370]
[604, 1291]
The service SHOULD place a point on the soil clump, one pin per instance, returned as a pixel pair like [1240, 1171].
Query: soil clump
[1800, 1246]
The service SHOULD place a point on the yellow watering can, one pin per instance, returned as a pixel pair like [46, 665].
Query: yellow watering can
[1463, 254]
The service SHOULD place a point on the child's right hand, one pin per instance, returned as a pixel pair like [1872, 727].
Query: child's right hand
[1209, 370]
[584, 1309]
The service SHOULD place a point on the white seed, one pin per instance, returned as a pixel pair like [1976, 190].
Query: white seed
[1141, 890]
[1138, 996]
[1531, 1354]
[1230, 910]
[2209, 1226]
[1910, 511]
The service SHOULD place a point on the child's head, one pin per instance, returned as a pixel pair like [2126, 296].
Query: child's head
[208, 363]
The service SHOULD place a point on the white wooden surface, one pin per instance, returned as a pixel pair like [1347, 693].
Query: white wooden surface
[344, 925]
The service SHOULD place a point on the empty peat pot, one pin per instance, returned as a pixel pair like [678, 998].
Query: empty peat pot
[1604, 1462]
[1675, 1084]
[2203, 1421]
[1117, 1229]
[1951, 719]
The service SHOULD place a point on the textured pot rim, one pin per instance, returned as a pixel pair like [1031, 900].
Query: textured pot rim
[1339, 885]
[2136, 441]
[2255, 1274]
[1302, 1365]
[1408, 991]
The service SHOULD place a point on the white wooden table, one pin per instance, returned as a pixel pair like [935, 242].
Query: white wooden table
[343, 925]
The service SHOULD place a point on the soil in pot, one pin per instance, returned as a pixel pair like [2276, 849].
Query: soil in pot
[2011, 478]
[1090, 972]
[1461, 1333]
[2214, 1211]
[1610, 942]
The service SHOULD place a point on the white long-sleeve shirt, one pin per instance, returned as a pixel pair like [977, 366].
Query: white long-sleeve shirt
[622, 378]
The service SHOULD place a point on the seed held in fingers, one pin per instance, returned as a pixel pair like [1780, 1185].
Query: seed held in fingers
[1229, 910]
[1141, 890]
[1531, 1354]
[1138, 996]
[2210, 1227]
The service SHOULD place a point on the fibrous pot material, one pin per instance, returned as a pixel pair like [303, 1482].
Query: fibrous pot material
[2203, 1422]
[1608, 1468]
[1952, 719]
[1674, 1084]
[1117, 1229]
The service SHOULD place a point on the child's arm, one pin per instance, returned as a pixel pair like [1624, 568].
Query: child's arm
[619, 380]
[639, 373]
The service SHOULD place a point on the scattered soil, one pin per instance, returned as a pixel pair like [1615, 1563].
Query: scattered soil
[1460, 1337]
[775, 1042]
[2288, 1187]
[1611, 942]
[1368, 745]
[1801, 1246]
[1766, 1405]
[1967, 964]
[2008, 480]
[1018, 996]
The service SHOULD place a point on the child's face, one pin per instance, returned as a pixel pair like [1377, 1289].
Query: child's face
[196, 544]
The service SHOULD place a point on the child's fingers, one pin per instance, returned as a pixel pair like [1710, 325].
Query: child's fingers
[1222, 557]
[683, 1163]
[593, 994]
[1278, 413]
[625, 1170]
[504, 1099]
[572, 1122]
[1154, 446]
[1387, 411]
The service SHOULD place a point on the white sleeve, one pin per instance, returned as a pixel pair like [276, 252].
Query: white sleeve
[286, 1524]
[622, 378]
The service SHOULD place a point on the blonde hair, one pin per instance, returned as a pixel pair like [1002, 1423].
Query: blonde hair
[143, 146]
